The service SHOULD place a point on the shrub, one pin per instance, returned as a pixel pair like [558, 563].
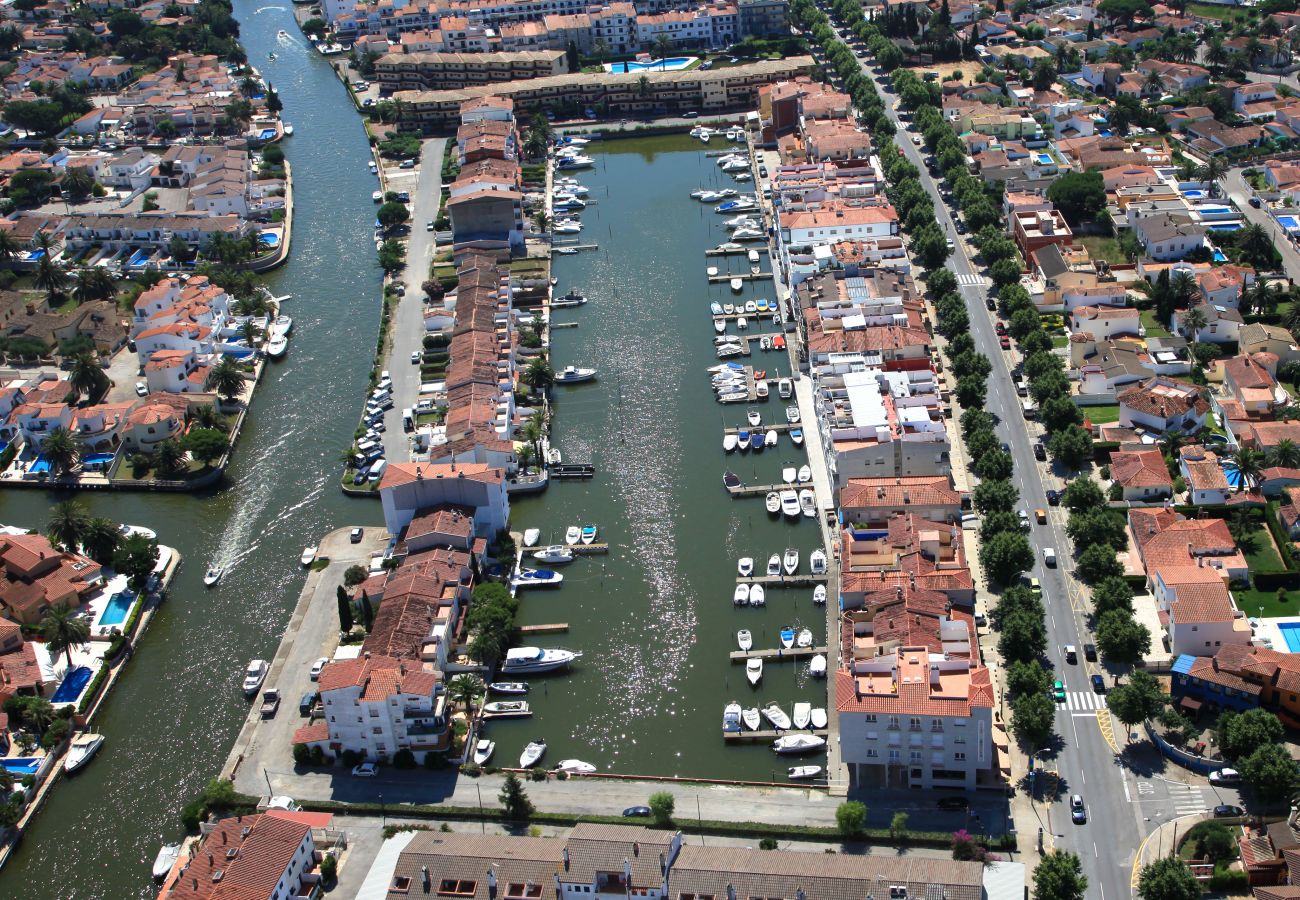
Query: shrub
[328, 868]
[662, 806]
[301, 754]
[404, 759]
[851, 818]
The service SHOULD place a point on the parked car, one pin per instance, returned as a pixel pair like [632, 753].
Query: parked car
[365, 770]
[1053, 498]
[428, 226]
[991, 303]
[953, 802]
[1078, 813]
[1040, 452]
[636, 812]
[318, 666]
[416, 355]
[356, 534]
[1090, 652]
[1227, 811]
[306, 703]
[1254, 201]
[1004, 341]
[1225, 776]
[1098, 683]
[407, 164]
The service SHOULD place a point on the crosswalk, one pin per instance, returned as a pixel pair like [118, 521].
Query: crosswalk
[1187, 798]
[970, 279]
[1083, 700]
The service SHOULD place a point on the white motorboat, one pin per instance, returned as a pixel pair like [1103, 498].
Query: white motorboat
[742, 440]
[754, 417]
[802, 713]
[719, 326]
[483, 751]
[754, 670]
[773, 502]
[508, 687]
[166, 858]
[750, 717]
[377, 196]
[788, 474]
[774, 564]
[572, 535]
[575, 767]
[751, 307]
[588, 534]
[532, 754]
[787, 637]
[82, 748]
[574, 375]
[741, 595]
[729, 442]
[212, 576]
[742, 176]
[748, 234]
[808, 502]
[308, 555]
[556, 555]
[757, 595]
[568, 228]
[507, 709]
[761, 390]
[790, 562]
[798, 743]
[537, 578]
[765, 343]
[818, 561]
[805, 474]
[790, 503]
[254, 675]
[729, 350]
[744, 640]
[531, 536]
[731, 716]
[785, 388]
[819, 595]
[805, 638]
[711, 271]
[818, 718]
[734, 397]
[776, 715]
[570, 299]
[737, 285]
[770, 439]
[276, 346]
[803, 773]
[742, 324]
[715, 308]
[817, 666]
[728, 308]
[745, 566]
[792, 415]
[535, 659]
[796, 435]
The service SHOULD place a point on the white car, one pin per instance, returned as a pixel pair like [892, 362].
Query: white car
[317, 666]
[365, 770]
[916, 139]
[415, 357]
[141, 389]
[1225, 776]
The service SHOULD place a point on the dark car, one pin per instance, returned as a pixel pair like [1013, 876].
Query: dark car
[1053, 498]
[355, 535]
[1090, 652]
[1006, 448]
[991, 303]
[636, 812]
[1098, 684]
[1040, 452]
[307, 702]
[953, 802]
[1078, 813]
[1254, 201]
[1226, 811]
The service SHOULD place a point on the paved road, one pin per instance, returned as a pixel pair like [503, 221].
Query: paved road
[1234, 185]
[407, 331]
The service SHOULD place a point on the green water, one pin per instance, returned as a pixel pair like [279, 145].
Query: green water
[654, 619]
[174, 715]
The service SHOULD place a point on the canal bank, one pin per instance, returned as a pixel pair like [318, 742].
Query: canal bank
[174, 714]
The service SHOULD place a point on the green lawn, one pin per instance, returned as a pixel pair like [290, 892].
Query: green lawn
[1060, 340]
[1261, 552]
[1250, 601]
[1211, 11]
[1101, 415]
[1106, 248]
[1153, 327]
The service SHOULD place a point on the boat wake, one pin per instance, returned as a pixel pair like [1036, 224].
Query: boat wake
[262, 9]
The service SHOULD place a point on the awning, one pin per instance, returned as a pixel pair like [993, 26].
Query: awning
[1189, 704]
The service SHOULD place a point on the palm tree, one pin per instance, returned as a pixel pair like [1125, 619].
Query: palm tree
[68, 524]
[94, 283]
[86, 377]
[170, 457]
[1212, 170]
[1249, 464]
[61, 450]
[63, 631]
[50, 277]
[9, 246]
[539, 375]
[39, 714]
[226, 379]
[1286, 454]
[100, 539]
[525, 458]
[1255, 244]
[1262, 298]
[78, 183]
[533, 432]
[250, 332]
[465, 689]
[1172, 441]
[1215, 54]
[1152, 84]
[1191, 322]
[643, 86]
[1183, 286]
[208, 417]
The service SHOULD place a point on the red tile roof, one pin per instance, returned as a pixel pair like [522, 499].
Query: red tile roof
[251, 855]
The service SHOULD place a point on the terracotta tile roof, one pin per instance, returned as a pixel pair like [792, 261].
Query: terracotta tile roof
[263, 848]
[1202, 603]
[386, 673]
[404, 473]
[1206, 668]
[907, 490]
[1142, 468]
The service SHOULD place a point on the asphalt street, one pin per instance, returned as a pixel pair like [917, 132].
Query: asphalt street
[1234, 186]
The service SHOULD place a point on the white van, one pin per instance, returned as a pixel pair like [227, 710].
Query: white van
[377, 470]
[408, 419]
[364, 447]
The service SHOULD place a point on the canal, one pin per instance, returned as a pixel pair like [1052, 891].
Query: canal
[655, 619]
[172, 718]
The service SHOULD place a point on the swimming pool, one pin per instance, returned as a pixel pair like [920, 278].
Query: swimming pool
[1193, 192]
[1045, 159]
[21, 765]
[35, 255]
[138, 258]
[41, 466]
[1290, 223]
[1218, 255]
[118, 606]
[670, 64]
[1226, 226]
[268, 239]
[72, 685]
[1290, 634]
[96, 460]
[267, 134]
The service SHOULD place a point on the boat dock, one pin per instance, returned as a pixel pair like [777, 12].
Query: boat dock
[584, 549]
[736, 251]
[783, 426]
[557, 247]
[739, 737]
[795, 580]
[724, 278]
[760, 490]
[776, 653]
[553, 628]
[563, 324]
[573, 470]
[758, 316]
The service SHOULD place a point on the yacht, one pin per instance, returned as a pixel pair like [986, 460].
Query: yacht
[790, 504]
[798, 743]
[746, 233]
[754, 670]
[555, 555]
[82, 748]
[508, 687]
[757, 595]
[746, 566]
[774, 563]
[819, 595]
[532, 754]
[569, 227]
[483, 751]
[254, 675]
[776, 715]
[802, 714]
[212, 576]
[749, 715]
[537, 578]
[741, 595]
[535, 659]
[575, 767]
[817, 666]
[744, 639]
[572, 298]
[308, 555]
[574, 375]
[803, 773]
[773, 502]
[507, 709]
[791, 561]
[808, 502]
[818, 561]
[277, 346]
[729, 350]
[761, 390]
[731, 716]
[531, 536]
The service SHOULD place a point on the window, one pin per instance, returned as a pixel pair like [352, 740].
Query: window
[523, 891]
[959, 756]
[453, 887]
[376, 730]
[871, 717]
[872, 753]
[894, 756]
[893, 722]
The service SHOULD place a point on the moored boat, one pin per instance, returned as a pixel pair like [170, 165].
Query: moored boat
[531, 536]
[254, 675]
[731, 716]
[774, 564]
[798, 743]
[805, 474]
[535, 659]
[796, 435]
[808, 502]
[785, 388]
[744, 639]
[804, 639]
[817, 666]
[588, 534]
[773, 502]
[757, 595]
[729, 442]
[730, 480]
[508, 687]
[82, 748]
[818, 561]
[802, 713]
[308, 555]
[166, 858]
[754, 417]
[740, 597]
[745, 566]
[742, 440]
[803, 773]
[575, 767]
[555, 555]
[750, 716]
[818, 718]
[532, 754]
[483, 750]
[770, 438]
[776, 715]
[572, 535]
[507, 709]
[754, 670]
[787, 637]
[790, 562]
[819, 594]
[737, 285]
[574, 375]
[790, 503]
[537, 578]
[788, 474]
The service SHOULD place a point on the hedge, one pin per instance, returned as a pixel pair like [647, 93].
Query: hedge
[93, 689]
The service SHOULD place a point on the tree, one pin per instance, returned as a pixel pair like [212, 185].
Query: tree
[68, 524]
[367, 610]
[169, 457]
[1027, 677]
[1022, 634]
[514, 799]
[1121, 638]
[989, 496]
[1112, 593]
[1137, 700]
[1168, 878]
[1005, 556]
[1098, 562]
[1270, 770]
[465, 689]
[898, 827]
[63, 630]
[1004, 272]
[78, 183]
[1256, 246]
[1078, 195]
[1071, 447]
[100, 539]
[1044, 75]
[1098, 525]
[345, 609]
[1249, 464]
[1081, 494]
[1059, 876]
[996, 465]
[1285, 453]
[941, 282]
[226, 379]
[851, 818]
[662, 806]
[206, 445]
[539, 375]
[86, 377]
[1240, 733]
[61, 450]
[1033, 717]
[94, 283]
[50, 277]
[391, 215]
[136, 558]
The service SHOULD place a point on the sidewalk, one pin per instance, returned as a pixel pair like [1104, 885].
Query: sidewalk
[1162, 842]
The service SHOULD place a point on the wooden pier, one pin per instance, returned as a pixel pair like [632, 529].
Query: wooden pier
[759, 490]
[764, 427]
[587, 549]
[776, 653]
[563, 324]
[743, 276]
[553, 628]
[798, 579]
[771, 735]
[736, 251]
[556, 247]
[759, 317]
[573, 470]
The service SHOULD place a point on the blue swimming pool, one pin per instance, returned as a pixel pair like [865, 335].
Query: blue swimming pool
[1226, 226]
[35, 255]
[1290, 634]
[96, 460]
[21, 765]
[1044, 159]
[72, 685]
[118, 606]
[138, 258]
[1218, 256]
[39, 467]
[1288, 222]
[1193, 193]
[267, 134]
[238, 354]
[670, 64]
[268, 239]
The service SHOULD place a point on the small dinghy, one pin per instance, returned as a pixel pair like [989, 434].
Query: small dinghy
[803, 773]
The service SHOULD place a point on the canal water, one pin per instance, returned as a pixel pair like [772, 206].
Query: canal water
[654, 619]
[171, 721]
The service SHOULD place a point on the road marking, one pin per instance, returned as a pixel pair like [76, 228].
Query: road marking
[1108, 733]
[1085, 700]
[1145, 787]
[971, 279]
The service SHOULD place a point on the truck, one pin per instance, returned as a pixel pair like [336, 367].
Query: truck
[270, 703]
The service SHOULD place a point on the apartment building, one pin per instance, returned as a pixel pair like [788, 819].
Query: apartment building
[449, 71]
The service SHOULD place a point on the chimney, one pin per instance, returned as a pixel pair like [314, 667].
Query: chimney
[636, 848]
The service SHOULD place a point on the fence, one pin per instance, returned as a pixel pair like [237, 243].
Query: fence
[1198, 764]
